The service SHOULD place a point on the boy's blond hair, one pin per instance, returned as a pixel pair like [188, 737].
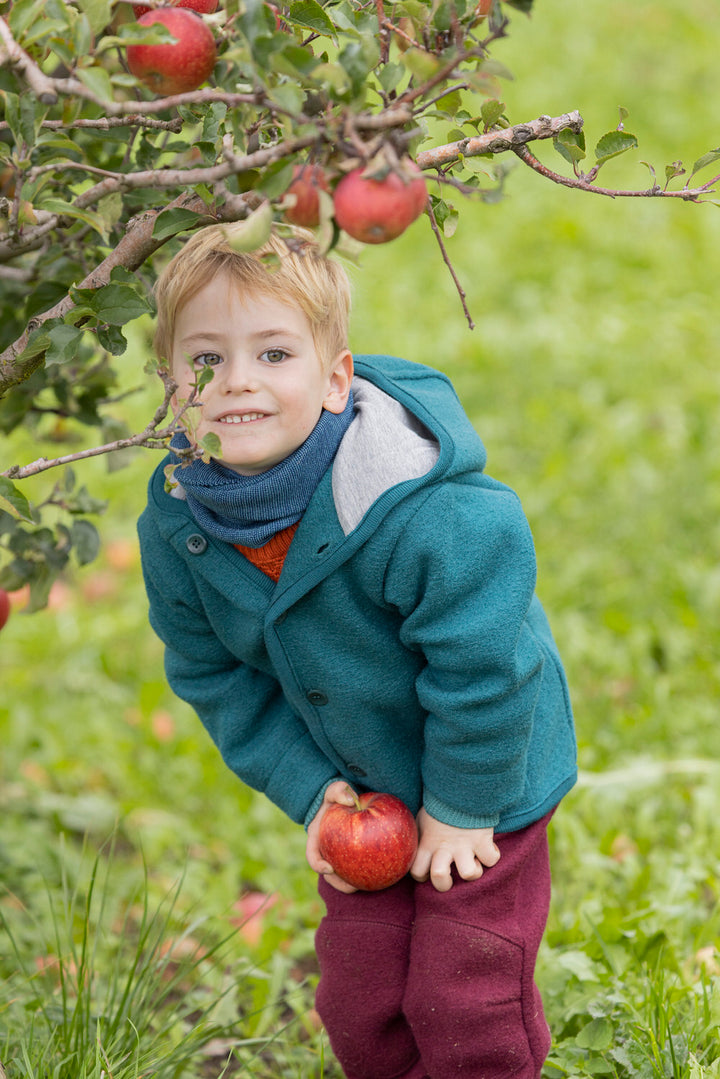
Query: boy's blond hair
[293, 271]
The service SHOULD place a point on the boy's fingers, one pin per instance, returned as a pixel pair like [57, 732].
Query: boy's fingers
[440, 871]
[468, 865]
[339, 884]
[490, 856]
[420, 869]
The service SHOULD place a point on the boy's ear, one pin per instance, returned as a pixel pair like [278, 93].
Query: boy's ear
[341, 376]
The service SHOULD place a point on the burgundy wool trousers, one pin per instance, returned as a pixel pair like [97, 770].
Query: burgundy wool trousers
[420, 984]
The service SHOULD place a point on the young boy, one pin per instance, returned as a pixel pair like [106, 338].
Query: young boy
[346, 598]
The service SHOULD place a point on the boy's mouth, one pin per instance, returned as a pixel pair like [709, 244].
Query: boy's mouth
[241, 417]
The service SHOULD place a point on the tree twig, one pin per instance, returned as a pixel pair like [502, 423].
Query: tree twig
[106, 123]
[500, 140]
[41, 85]
[446, 259]
[582, 183]
[153, 437]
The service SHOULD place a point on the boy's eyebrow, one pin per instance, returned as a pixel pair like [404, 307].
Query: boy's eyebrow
[261, 335]
[209, 336]
[280, 332]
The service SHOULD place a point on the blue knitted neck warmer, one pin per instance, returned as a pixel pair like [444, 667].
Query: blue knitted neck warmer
[250, 509]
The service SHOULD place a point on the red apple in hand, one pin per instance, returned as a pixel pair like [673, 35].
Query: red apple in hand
[181, 65]
[377, 209]
[306, 182]
[371, 844]
[4, 607]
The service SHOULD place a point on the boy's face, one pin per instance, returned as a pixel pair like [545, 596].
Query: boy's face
[269, 383]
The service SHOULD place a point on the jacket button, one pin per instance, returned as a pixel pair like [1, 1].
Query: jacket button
[196, 543]
[316, 696]
[356, 770]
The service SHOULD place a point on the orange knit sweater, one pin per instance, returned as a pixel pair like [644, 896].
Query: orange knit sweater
[270, 557]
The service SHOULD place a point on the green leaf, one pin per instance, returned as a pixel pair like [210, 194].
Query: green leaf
[309, 14]
[254, 231]
[40, 584]
[676, 169]
[13, 501]
[67, 209]
[570, 145]
[82, 36]
[37, 343]
[98, 12]
[97, 81]
[212, 120]
[420, 63]
[20, 116]
[597, 1035]
[359, 58]
[332, 76]
[118, 304]
[389, 76]
[86, 541]
[491, 112]
[170, 481]
[115, 303]
[276, 178]
[707, 159]
[446, 216]
[64, 344]
[170, 222]
[211, 444]
[132, 34]
[113, 339]
[23, 14]
[613, 144]
[288, 96]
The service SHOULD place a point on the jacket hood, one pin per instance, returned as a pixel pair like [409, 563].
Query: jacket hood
[408, 424]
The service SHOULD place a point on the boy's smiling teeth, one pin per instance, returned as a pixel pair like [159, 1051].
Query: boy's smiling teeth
[234, 417]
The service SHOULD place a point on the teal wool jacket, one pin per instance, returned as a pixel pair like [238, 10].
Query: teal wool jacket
[403, 647]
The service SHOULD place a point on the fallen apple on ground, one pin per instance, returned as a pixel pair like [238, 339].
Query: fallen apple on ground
[377, 209]
[178, 66]
[370, 844]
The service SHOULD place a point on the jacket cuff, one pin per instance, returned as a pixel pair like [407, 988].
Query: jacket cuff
[456, 817]
[317, 801]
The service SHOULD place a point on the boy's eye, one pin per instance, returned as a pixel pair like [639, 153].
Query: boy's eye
[274, 355]
[207, 359]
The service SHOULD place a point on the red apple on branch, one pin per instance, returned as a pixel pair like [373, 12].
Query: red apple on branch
[203, 7]
[307, 181]
[375, 208]
[178, 66]
[4, 607]
[370, 844]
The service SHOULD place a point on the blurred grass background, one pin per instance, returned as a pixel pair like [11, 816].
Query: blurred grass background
[593, 379]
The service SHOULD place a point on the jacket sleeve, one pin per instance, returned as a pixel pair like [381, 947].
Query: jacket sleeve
[244, 710]
[463, 577]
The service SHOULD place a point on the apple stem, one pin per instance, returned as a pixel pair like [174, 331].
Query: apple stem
[354, 797]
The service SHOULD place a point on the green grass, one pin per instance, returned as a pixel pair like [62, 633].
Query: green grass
[592, 377]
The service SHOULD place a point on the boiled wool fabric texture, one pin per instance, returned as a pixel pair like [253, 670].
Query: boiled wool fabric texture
[250, 509]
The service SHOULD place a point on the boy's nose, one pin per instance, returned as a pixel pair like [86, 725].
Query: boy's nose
[238, 377]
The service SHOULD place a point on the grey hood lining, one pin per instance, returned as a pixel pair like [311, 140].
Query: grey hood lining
[383, 446]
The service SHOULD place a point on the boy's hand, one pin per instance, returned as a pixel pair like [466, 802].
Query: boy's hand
[441, 845]
[336, 792]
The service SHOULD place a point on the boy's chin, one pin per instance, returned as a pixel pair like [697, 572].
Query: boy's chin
[242, 469]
